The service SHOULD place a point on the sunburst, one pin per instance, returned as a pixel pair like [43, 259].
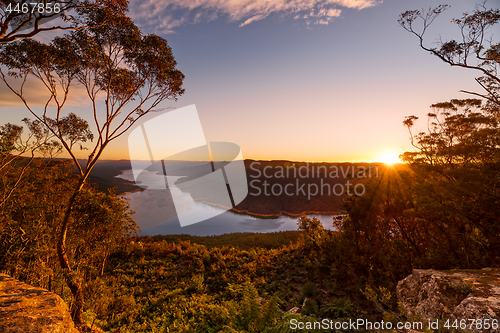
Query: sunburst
[390, 158]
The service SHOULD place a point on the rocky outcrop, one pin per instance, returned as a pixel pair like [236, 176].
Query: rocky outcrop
[26, 309]
[454, 294]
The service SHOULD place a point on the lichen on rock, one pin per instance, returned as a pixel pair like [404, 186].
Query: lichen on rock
[453, 294]
[26, 309]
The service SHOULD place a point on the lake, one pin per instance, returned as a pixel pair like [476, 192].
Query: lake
[155, 213]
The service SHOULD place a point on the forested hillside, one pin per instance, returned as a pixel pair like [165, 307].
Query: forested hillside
[60, 231]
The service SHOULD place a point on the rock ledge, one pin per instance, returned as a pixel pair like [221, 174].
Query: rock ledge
[27, 309]
[453, 294]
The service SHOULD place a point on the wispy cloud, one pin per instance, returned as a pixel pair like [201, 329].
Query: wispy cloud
[163, 16]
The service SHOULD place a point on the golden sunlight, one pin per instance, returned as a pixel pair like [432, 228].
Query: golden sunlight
[389, 157]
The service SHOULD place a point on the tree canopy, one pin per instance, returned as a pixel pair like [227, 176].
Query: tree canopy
[124, 73]
[26, 18]
[445, 205]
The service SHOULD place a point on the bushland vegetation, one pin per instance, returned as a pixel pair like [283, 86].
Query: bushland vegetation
[439, 210]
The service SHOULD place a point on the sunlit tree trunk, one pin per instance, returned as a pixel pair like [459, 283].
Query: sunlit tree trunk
[71, 277]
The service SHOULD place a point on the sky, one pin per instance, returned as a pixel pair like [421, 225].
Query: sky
[313, 80]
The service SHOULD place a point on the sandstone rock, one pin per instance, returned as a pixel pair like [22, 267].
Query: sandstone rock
[27, 309]
[454, 294]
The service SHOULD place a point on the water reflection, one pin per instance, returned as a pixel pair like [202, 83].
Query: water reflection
[155, 214]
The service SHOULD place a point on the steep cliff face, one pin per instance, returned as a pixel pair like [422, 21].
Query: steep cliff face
[26, 309]
[454, 294]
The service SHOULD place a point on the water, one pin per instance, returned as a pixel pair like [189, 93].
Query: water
[156, 215]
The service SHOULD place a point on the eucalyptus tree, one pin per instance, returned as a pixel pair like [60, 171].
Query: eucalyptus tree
[13, 145]
[28, 18]
[475, 50]
[125, 75]
[457, 159]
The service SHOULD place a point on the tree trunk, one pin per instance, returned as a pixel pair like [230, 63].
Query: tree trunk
[103, 263]
[71, 277]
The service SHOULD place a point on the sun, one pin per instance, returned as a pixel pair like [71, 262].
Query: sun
[389, 158]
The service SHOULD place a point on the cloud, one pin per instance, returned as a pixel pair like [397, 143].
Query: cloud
[163, 16]
[333, 12]
[252, 19]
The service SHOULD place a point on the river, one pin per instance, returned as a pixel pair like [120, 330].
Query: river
[156, 215]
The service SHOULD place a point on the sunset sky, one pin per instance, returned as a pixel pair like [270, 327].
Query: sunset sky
[314, 80]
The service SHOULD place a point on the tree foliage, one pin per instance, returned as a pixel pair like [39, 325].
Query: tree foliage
[112, 59]
[20, 19]
[13, 145]
[29, 228]
[475, 50]
[442, 210]
[458, 162]
[458, 158]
